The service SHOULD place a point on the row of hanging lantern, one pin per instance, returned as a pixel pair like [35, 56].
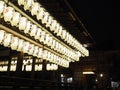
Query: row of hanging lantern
[37, 10]
[51, 67]
[16, 19]
[15, 43]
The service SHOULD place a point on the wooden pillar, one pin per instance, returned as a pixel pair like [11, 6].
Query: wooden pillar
[33, 68]
[19, 64]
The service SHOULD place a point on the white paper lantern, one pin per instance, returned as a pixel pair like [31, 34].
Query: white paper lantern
[47, 39]
[33, 30]
[35, 8]
[35, 53]
[7, 40]
[59, 31]
[57, 26]
[20, 45]
[14, 43]
[8, 13]
[28, 4]
[42, 36]
[53, 44]
[40, 52]
[48, 67]
[28, 27]
[48, 24]
[45, 54]
[50, 41]
[53, 25]
[2, 7]
[21, 2]
[2, 35]
[22, 23]
[45, 18]
[15, 19]
[28, 67]
[63, 34]
[38, 34]
[40, 13]
[26, 47]
[31, 49]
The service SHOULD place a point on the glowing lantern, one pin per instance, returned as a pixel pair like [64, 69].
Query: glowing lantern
[26, 47]
[21, 2]
[40, 53]
[28, 27]
[35, 53]
[20, 45]
[22, 23]
[42, 37]
[15, 19]
[14, 43]
[28, 4]
[2, 35]
[35, 8]
[38, 34]
[40, 13]
[45, 18]
[2, 7]
[7, 40]
[8, 14]
[31, 49]
[33, 30]
[48, 24]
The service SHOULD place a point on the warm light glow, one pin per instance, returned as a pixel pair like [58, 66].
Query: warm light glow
[90, 72]
[101, 75]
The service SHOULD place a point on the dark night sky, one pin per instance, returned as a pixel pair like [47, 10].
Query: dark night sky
[101, 18]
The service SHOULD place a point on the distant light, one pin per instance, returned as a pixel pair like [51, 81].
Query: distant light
[96, 80]
[62, 75]
[88, 72]
[101, 75]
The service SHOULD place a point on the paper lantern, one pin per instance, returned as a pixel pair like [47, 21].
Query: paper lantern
[57, 28]
[40, 13]
[33, 30]
[26, 47]
[48, 67]
[45, 18]
[7, 40]
[31, 49]
[35, 53]
[63, 34]
[53, 44]
[20, 45]
[21, 2]
[59, 31]
[14, 43]
[53, 25]
[38, 34]
[28, 4]
[35, 8]
[15, 19]
[45, 54]
[40, 53]
[42, 38]
[2, 7]
[8, 13]
[48, 24]
[50, 41]
[2, 35]
[28, 67]
[22, 23]
[28, 27]
[47, 37]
